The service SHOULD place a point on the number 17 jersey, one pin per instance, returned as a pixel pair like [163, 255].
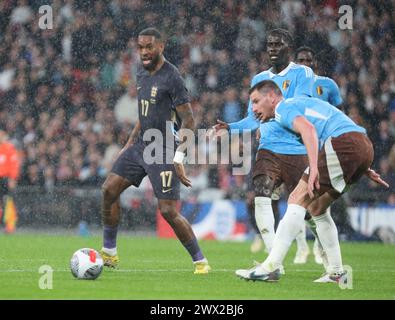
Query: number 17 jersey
[158, 96]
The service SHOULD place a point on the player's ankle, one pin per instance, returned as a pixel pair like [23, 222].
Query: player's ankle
[204, 260]
[110, 251]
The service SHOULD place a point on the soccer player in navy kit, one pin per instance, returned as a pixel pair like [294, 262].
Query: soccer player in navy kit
[164, 106]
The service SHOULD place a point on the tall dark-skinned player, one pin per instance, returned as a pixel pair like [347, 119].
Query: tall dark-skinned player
[280, 158]
[164, 106]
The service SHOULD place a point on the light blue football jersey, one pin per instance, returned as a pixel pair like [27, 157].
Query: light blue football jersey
[327, 119]
[294, 80]
[326, 89]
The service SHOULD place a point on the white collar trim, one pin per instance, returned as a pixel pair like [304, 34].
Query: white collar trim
[283, 72]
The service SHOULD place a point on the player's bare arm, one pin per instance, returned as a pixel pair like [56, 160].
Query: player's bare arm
[133, 137]
[184, 111]
[309, 136]
[220, 125]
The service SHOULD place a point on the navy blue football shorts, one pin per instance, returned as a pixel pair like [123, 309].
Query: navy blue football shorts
[131, 166]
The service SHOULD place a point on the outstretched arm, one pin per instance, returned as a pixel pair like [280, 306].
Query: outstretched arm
[309, 136]
[374, 176]
[220, 125]
[247, 123]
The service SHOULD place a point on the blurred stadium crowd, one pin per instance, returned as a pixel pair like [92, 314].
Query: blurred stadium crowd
[68, 96]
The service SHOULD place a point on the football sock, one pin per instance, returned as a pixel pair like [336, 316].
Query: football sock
[265, 220]
[192, 247]
[110, 237]
[289, 226]
[301, 240]
[328, 236]
[312, 226]
[317, 243]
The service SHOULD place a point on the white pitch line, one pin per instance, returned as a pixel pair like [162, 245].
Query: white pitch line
[182, 270]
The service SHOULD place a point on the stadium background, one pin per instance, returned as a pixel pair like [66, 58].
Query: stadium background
[68, 97]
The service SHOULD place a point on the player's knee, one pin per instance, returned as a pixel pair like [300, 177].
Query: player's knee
[168, 212]
[109, 192]
[170, 217]
[316, 208]
[263, 186]
[294, 197]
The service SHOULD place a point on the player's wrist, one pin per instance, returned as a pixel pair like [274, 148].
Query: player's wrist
[179, 157]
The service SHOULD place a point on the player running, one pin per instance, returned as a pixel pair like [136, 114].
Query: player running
[281, 157]
[325, 89]
[339, 153]
[164, 104]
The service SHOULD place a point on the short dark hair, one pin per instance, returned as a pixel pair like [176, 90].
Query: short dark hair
[266, 86]
[151, 32]
[305, 48]
[283, 34]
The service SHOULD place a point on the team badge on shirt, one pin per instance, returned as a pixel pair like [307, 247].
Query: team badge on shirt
[319, 90]
[154, 91]
[286, 84]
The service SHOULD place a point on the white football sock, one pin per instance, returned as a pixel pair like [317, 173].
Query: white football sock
[288, 228]
[265, 220]
[317, 243]
[110, 252]
[316, 247]
[301, 240]
[327, 233]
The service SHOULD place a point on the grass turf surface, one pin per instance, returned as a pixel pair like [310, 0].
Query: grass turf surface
[156, 269]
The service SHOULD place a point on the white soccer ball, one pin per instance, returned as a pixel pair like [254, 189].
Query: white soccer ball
[86, 264]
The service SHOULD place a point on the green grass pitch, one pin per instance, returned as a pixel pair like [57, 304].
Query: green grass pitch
[156, 269]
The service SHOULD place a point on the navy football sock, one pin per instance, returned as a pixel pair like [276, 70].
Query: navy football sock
[110, 237]
[193, 248]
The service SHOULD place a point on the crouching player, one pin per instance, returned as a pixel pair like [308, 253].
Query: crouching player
[339, 154]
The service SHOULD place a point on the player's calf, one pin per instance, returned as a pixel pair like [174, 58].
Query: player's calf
[184, 233]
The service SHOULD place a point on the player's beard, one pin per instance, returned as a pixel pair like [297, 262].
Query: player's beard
[152, 65]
